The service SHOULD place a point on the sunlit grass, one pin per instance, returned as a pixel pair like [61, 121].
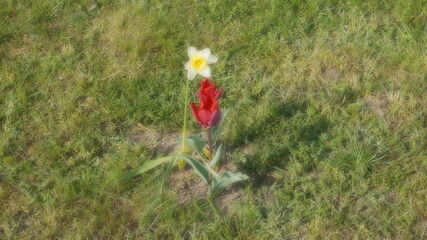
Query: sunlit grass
[329, 96]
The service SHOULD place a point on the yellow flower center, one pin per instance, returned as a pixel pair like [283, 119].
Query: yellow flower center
[198, 62]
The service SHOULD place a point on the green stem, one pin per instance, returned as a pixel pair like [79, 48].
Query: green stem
[181, 162]
[210, 145]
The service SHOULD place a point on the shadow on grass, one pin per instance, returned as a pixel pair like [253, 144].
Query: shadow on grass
[277, 113]
[289, 132]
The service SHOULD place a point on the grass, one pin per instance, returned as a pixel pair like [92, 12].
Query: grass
[330, 95]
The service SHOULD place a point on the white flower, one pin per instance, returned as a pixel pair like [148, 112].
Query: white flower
[198, 63]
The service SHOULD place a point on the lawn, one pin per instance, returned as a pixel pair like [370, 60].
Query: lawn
[328, 117]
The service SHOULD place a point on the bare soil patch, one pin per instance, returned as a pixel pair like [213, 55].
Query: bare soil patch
[164, 143]
[187, 185]
[378, 104]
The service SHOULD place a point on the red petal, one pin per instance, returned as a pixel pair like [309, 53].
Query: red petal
[205, 117]
[195, 111]
[213, 105]
[204, 84]
[209, 90]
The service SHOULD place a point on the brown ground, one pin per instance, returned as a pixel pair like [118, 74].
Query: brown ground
[186, 184]
[164, 143]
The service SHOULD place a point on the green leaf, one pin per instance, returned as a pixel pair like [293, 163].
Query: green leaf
[218, 155]
[216, 130]
[226, 180]
[201, 169]
[146, 167]
[166, 174]
[196, 142]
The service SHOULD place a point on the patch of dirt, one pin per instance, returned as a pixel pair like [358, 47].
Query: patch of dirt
[331, 73]
[187, 185]
[21, 218]
[378, 104]
[164, 143]
[228, 197]
[248, 150]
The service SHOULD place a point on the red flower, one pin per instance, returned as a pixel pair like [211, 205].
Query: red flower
[207, 113]
[209, 89]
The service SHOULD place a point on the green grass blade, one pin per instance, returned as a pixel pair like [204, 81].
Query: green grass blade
[146, 167]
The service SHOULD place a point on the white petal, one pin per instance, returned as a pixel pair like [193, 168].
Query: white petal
[211, 59]
[205, 53]
[192, 51]
[205, 72]
[188, 66]
[191, 74]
